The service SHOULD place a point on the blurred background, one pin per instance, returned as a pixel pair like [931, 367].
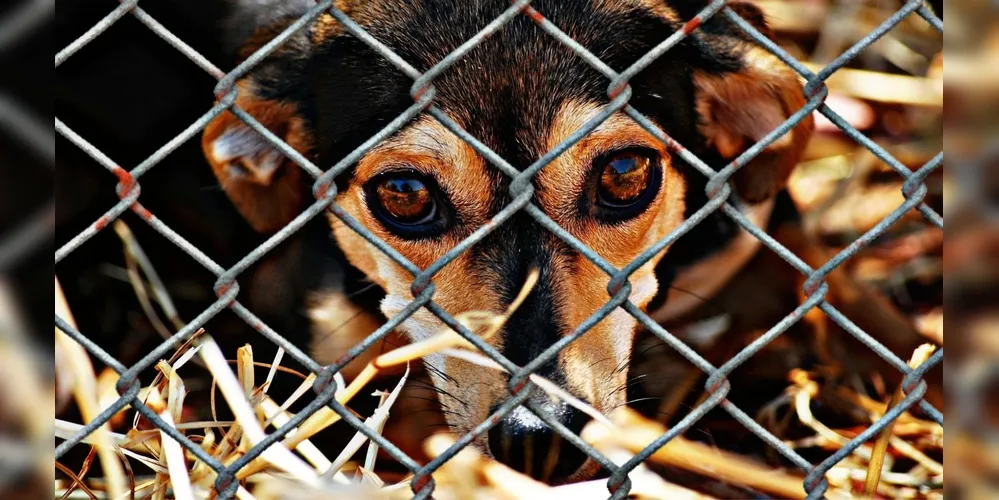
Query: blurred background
[27, 220]
[129, 92]
[970, 264]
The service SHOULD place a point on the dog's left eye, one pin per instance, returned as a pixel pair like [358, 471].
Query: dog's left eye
[408, 201]
[626, 182]
[408, 204]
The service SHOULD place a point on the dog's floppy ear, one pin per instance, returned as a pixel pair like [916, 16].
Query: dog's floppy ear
[265, 186]
[739, 107]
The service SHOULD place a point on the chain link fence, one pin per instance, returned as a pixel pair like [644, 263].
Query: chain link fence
[423, 92]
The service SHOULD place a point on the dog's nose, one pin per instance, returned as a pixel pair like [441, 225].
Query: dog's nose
[525, 443]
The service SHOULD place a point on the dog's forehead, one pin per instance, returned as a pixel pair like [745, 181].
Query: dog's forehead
[506, 91]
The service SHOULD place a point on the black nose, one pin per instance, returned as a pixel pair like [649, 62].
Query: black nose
[525, 443]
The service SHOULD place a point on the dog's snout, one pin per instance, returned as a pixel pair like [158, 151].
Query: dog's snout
[525, 443]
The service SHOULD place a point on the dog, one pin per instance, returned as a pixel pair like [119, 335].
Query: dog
[520, 92]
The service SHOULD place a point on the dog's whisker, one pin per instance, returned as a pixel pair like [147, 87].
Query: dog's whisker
[601, 360]
[638, 400]
[440, 373]
[713, 303]
[431, 400]
[442, 392]
[627, 362]
[435, 390]
[361, 290]
[423, 383]
[650, 377]
[430, 426]
[425, 410]
[631, 382]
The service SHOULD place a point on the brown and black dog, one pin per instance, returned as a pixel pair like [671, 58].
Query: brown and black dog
[521, 92]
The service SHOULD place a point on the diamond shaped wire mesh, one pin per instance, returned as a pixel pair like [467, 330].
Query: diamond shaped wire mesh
[521, 190]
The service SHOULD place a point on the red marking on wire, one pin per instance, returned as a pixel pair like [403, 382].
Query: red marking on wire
[321, 190]
[533, 13]
[420, 92]
[692, 25]
[616, 91]
[420, 483]
[125, 181]
[102, 223]
[142, 212]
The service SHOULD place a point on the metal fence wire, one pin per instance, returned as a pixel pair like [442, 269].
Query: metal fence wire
[423, 92]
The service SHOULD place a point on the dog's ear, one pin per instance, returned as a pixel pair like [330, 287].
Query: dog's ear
[246, 20]
[264, 184]
[740, 105]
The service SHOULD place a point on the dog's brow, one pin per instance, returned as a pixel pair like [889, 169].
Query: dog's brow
[424, 134]
[619, 130]
[432, 137]
[425, 145]
[414, 147]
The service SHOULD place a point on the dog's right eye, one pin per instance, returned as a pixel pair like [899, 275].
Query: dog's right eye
[407, 204]
[408, 201]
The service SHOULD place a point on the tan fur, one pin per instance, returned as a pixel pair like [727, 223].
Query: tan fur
[428, 147]
[591, 361]
[326, 26]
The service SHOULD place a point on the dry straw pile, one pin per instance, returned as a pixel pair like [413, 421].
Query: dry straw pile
[144, 462]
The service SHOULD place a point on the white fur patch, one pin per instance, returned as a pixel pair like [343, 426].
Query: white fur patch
[619, 320]
[420, 326]
[525, 418]
[236, 142]
[417, 326]
[243, 142]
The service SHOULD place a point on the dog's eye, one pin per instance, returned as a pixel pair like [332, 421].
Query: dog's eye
[408, 201]
[408, 204]
[626, 182]
[624, 179]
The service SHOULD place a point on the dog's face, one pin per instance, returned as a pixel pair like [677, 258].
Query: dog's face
[521, 93]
